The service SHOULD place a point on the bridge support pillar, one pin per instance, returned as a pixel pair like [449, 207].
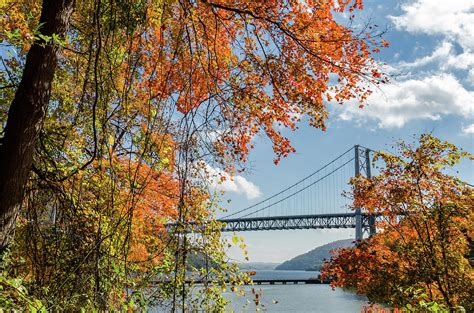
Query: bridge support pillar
[362, 166]
[358, 211]
[372, 229]
[358, 230]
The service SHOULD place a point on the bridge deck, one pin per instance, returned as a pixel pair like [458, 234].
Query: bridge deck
[313, 221]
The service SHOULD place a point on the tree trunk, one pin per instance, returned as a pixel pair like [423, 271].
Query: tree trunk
[26, 114]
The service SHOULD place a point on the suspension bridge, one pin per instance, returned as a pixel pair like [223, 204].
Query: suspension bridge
[315, 202]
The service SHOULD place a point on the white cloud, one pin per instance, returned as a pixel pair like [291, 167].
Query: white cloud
[432, 92]
[237, 184]
[442, 52]
[463, 61]
[446, 56]
[468, 130]
[453, 19]
[400, 102]
[470, 76]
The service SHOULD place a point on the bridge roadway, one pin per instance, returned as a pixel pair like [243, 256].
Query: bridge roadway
[313, 221]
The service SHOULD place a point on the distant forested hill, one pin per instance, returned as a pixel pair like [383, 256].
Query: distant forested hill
[313, 259]
[258, 266]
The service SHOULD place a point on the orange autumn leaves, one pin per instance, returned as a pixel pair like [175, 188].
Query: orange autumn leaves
[155, 202]
[18, 22]
[130, 71]
[250, 67]
[422, 255]
[243, 67]
[152, 198]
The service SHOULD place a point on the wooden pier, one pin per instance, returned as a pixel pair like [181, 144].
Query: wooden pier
[264, 281]
[288, 281]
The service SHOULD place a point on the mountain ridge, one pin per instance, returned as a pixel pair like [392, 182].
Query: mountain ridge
[313, 259]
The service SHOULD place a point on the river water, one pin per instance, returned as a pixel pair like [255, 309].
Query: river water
[299, 298]
[295, 298]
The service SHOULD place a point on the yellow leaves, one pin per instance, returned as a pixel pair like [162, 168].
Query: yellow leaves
[155, 13]
[235, 239]
[18, 22]
[4, 3]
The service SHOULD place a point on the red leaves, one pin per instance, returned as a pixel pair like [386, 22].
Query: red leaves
[376, 73]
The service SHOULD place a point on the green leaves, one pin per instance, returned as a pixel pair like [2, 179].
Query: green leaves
[14, 295]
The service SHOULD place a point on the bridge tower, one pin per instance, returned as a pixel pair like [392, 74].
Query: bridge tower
[362, 167]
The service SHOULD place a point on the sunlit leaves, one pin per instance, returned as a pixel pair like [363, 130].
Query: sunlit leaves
[144, 92]
[422, 257]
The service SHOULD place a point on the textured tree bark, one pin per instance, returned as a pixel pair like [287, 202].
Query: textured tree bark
[26, 114]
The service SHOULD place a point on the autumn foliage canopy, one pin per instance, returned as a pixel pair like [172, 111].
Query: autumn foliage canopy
[422, 258]
[139, 94]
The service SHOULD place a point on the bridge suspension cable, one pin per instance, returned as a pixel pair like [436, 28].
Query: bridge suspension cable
[317, 201]
[300, 190]
[303, 184]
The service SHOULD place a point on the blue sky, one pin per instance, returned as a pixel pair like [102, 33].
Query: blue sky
[431, 60]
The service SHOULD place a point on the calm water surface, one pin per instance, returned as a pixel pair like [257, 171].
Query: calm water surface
[296, 298]
[292, 298]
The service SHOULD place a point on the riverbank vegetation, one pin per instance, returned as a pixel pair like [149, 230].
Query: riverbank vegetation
[422, 258]
[116, 115]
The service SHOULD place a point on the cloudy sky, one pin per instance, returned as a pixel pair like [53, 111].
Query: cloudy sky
[431, 60]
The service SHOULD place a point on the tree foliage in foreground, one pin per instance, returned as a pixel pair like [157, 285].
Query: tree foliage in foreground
[111, 114]
[422, 258]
